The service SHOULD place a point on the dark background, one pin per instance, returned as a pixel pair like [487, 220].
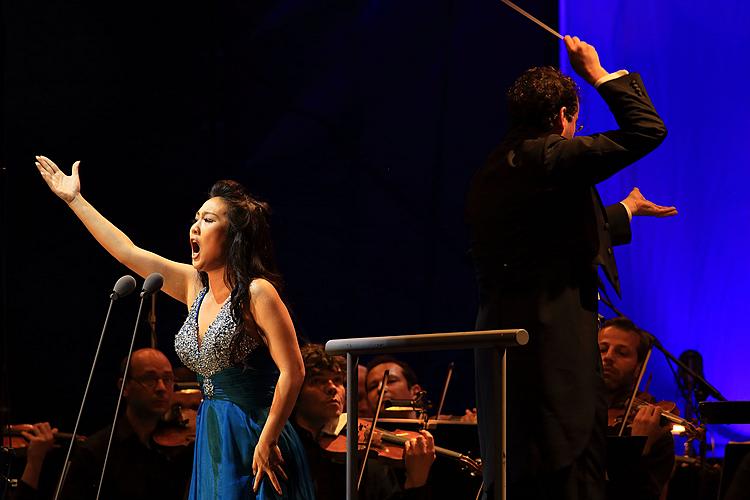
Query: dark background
[359, 122]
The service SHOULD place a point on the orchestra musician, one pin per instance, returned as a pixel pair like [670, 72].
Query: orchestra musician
[402, 384]
[623, 347]
[40, 439]
[137, 465]
[316, 415]
[363, 404]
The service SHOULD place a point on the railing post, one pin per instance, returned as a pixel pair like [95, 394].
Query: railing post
[352, 464]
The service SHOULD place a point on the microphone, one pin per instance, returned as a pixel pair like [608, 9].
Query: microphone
[123, 287]
[152, 284]
[693, 360]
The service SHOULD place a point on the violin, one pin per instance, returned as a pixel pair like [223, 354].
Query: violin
[669, 414]
[14, 439]
[177, 428]
[336, 446]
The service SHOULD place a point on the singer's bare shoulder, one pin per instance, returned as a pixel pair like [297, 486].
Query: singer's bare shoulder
[261, 290]
[274, 323]
[265, 300]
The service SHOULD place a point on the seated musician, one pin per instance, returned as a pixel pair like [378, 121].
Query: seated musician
[402, 384]
[137, 467]
[623, 347]
[363, 404]
[41, 439]
[315, 417]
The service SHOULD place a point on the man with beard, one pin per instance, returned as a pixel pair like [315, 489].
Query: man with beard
[623, 347]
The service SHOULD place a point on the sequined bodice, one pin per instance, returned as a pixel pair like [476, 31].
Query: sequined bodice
[215, 351]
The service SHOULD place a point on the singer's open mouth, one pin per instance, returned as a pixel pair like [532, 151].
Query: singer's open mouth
[195, 247]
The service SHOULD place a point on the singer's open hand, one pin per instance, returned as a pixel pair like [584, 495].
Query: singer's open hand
[267, 460]
[66, 187]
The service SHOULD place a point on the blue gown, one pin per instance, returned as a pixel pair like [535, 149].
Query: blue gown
[238, 378]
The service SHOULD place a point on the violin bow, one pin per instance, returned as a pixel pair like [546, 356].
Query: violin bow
[381, 393]
[445, 390]
[631, 399]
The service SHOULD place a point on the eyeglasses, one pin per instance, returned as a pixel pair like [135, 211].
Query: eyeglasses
[151, 381]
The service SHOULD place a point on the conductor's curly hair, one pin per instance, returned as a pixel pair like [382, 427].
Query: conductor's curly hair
[535, 98]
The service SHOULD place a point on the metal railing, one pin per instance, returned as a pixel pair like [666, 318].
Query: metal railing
[354, 347]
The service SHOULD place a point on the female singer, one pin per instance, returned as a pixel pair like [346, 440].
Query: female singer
[238, 338]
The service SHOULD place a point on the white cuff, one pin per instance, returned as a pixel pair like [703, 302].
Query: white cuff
[610, 76]
[630, 214]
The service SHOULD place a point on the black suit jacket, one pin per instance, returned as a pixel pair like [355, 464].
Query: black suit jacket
[539, 232]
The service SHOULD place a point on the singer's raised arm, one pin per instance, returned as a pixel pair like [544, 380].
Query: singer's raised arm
[180, 280]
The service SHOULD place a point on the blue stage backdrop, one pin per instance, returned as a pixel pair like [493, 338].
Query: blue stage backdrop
[684, 279]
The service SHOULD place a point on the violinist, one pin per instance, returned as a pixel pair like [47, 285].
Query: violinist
[41, 439]
[137, 467]
[363, 404]
[623, 347]
[316, 416]
[402, 384]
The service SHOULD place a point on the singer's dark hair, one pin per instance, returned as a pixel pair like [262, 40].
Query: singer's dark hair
[627, 325]
[409, 374]
[249, 250]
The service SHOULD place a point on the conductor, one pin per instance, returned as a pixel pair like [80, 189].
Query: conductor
[539, 235]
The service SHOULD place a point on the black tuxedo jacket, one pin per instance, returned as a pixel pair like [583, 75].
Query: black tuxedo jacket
[539, 233]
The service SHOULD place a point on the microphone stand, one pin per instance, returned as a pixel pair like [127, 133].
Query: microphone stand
[712, 391]
[117, 293]
[152, 321]
[146, 291]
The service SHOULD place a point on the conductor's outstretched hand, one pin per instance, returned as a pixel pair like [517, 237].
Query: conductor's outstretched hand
[584, 59]
[67, 187]
[640, 206]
